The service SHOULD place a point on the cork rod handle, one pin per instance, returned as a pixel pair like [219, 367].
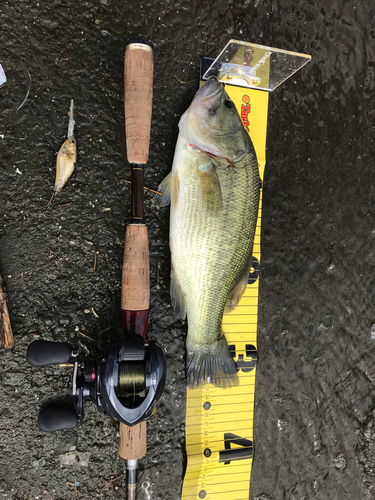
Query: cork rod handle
[133, 442]
[135, 286]
[138, 76]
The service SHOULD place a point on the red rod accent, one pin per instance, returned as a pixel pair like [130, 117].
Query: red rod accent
[93, 373]
[135, 322]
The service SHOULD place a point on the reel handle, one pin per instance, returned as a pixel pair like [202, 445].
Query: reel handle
[53, 419]
[44, 353]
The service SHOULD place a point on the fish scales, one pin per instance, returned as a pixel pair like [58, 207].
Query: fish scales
[201, 241]
[214, 191]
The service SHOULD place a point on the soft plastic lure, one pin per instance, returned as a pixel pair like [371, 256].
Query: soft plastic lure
[66, 157]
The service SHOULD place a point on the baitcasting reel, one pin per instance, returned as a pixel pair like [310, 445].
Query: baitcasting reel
[126, 384]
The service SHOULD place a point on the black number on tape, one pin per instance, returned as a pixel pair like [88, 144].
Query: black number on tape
[248, 363]
[230, 454]
[254, 275]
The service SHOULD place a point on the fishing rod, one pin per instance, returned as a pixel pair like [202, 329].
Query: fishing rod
[135, 289]
[127, 382]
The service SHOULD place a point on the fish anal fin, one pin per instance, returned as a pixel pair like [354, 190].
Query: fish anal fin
[177, 296]
[210, 186]
[236, 294]
[165, 187]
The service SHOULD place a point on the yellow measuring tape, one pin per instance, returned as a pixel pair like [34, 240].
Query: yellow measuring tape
[219, 421]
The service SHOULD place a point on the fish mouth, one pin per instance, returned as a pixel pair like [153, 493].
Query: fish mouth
[193, 125]
[209, 92]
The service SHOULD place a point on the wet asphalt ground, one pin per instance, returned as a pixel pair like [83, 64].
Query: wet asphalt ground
[315, 407]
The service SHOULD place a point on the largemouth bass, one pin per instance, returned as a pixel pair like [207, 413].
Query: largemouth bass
[214, 191]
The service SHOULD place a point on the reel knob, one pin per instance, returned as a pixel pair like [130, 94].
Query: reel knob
[53, 419]
[44, 353]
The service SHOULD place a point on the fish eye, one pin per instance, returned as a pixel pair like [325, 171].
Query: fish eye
[229, 104]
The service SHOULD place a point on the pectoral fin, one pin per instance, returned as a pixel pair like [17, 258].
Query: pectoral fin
[166, 188]
[210, 186]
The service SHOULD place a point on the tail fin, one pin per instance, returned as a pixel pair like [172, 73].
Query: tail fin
[210, 363]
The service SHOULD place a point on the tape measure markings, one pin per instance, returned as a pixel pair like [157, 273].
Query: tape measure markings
[225, 476]
[215, 419]
[219, 486]
[239, 328]
[221, 449]
[196, 409]
[235, 327]
[236, 491]
[212, 494]
[225, 487]
[222, 423]
[213, 403]
[230, 472]
[212, 463]
[229, 420]
[245, 453]
[237, 468]
[229, 316]
[242, 383]
[216, 414]
[237, 391]
[197, 402]
[218, 442]
[241, 468]
[214, 410]
[243, 430]
[241, 491]
[222, 489]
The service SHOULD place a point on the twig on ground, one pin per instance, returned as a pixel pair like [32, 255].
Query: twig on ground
[27, 93]
[86, 336]
[6, 333]
[147, 189]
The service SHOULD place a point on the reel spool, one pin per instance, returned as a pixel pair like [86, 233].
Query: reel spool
[126, 384]
[132, 378]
